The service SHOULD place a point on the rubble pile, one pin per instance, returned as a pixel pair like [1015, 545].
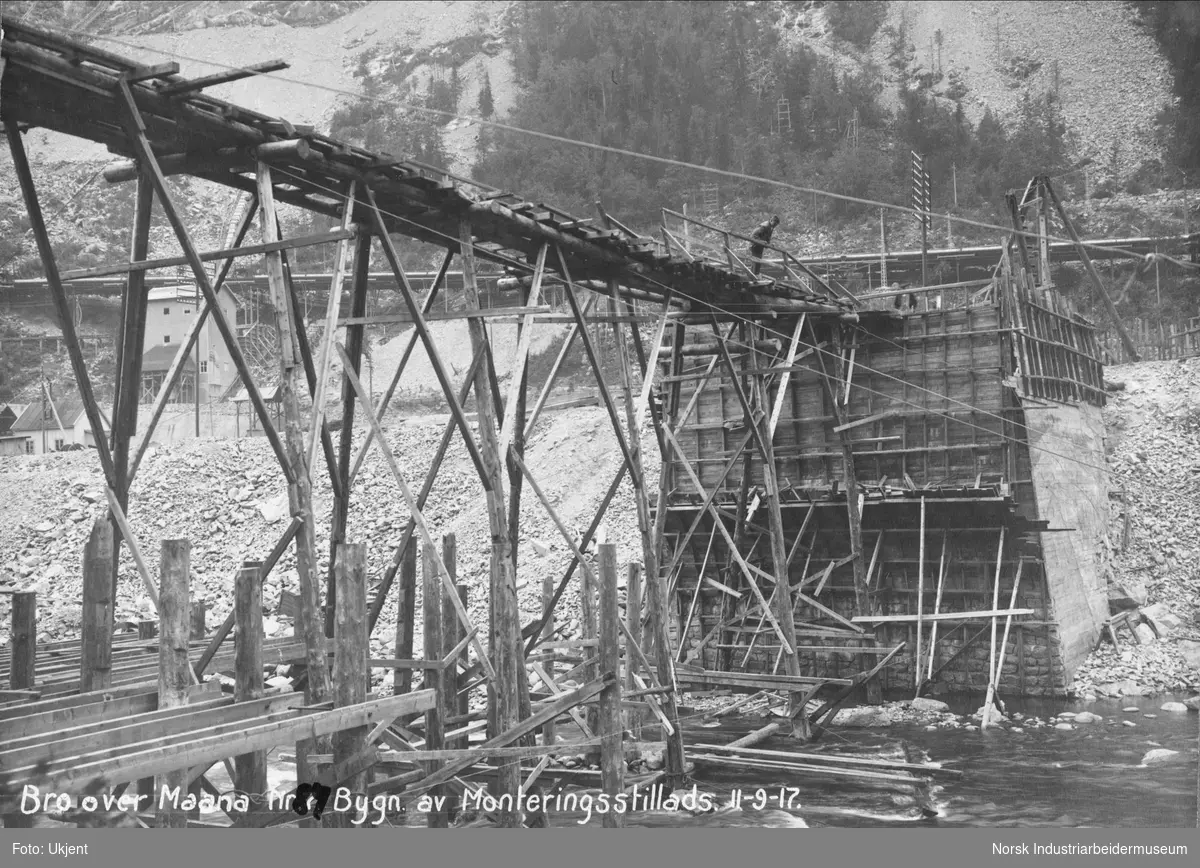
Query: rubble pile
[230, 500]
[1153, 427]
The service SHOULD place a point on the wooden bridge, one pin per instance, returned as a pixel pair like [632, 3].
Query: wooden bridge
[164, 124]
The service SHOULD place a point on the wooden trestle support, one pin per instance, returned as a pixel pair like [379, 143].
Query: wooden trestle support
[115, 720]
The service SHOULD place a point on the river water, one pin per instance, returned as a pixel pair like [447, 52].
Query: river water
[1089, 776]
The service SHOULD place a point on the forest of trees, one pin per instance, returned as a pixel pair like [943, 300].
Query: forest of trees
[701, 83]
[1176, 26]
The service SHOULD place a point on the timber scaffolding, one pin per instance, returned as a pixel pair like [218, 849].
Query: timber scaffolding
[929, 477]
[98, 716]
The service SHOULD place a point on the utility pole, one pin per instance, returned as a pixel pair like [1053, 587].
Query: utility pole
[920, 203]
[954, 181]
[882, 252]
[197, 378]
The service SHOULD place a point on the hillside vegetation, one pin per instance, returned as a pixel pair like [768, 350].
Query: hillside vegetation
[990, 93]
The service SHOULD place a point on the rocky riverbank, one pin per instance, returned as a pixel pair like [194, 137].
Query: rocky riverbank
[1152, 549]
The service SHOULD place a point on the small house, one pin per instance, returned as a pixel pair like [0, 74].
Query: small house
[52, 426]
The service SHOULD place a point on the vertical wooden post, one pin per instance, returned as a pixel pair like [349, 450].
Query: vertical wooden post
[920, 598]
[991, 688]
[612, 746]
[95, 666]
[452, 631]
[127, 388]
[21, 675]
[199, 619]
[464, 696]
[548, 734]
[146, 630]
[432, 629]
[656, 584]
[510, 685]
[853, 514]
[354, 345]
[174, 671]
[24, 632]
[633, 622]
[251, 767]
[351, 674]
[587, 615]
[402, 678]
[295, 465]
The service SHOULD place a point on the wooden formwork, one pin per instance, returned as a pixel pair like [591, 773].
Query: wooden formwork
[901, 462]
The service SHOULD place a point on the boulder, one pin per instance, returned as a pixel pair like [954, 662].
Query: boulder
[1064, 726]
[863, 716]
[1087, 717]
[274, 509]
[1193, 703]
[1162, 619]
[1190, 650]
[1173, 706]
[931, 706]
[1128, 687]
[1159, 755]
[1145, 635]
[1126, 594]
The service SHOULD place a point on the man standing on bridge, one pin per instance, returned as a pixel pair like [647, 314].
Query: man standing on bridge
[762, 237]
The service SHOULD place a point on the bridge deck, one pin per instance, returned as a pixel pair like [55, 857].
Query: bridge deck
[60, 84]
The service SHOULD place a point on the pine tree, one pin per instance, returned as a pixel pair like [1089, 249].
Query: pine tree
[486, 105]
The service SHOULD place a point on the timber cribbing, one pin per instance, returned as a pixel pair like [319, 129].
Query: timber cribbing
[61, 84]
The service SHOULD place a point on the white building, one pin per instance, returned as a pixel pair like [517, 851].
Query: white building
[51, 427]
[169, 316]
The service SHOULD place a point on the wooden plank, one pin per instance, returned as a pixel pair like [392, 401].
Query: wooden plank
[113, 734]
[179, 88]
[209, 256]
[753, 680]
[46, 715]
[866, 420]
[208, 745]
[943, 616]
[832, 759]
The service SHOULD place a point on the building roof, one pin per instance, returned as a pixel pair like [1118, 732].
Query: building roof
[159, 358]
[171, 293]
[270, 394]
[69, 410]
